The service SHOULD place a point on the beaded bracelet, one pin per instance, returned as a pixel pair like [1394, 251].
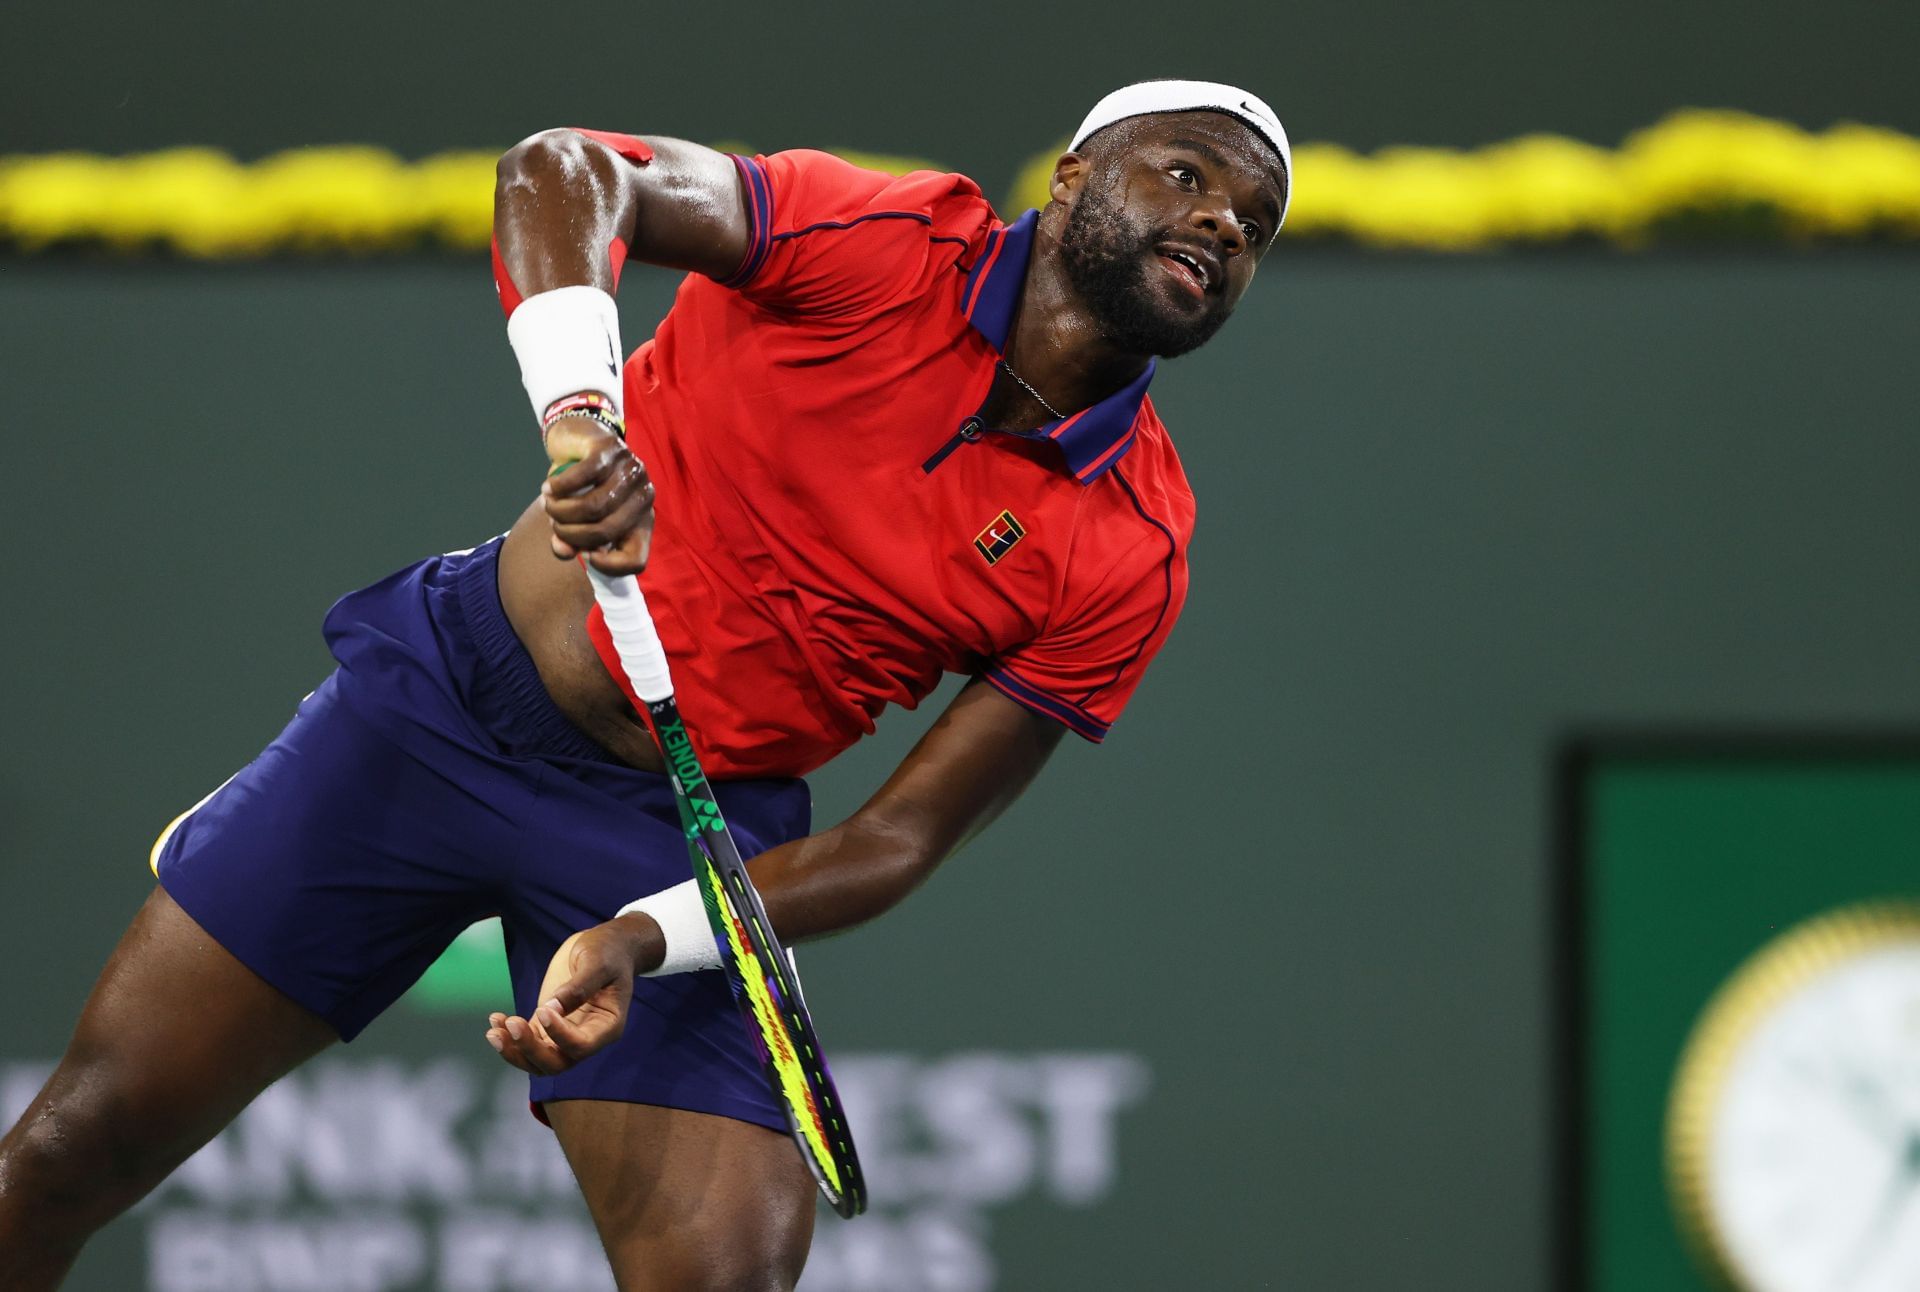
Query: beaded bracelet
[590, 404]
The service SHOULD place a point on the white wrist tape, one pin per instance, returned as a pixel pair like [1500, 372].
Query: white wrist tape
[682, 918]
[567, 340]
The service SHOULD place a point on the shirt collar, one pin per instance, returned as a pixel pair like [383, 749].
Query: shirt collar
[1093, 439]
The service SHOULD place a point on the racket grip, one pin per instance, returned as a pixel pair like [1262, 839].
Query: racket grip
[634, 638]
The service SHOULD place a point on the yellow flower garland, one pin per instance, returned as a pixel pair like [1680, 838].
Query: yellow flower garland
[203, 203]
[1700, 172]
[1724, 172]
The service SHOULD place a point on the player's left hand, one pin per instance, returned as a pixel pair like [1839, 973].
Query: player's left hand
[583, 1009]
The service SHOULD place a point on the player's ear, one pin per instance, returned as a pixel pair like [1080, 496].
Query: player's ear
[1069, 175]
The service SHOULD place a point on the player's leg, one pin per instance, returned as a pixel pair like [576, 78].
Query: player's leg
[177, 1037]
[300, 900]
[686, 1201]
[672, 1131]
[316, 885]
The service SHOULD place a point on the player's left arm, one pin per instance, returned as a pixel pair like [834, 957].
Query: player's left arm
[977, 758]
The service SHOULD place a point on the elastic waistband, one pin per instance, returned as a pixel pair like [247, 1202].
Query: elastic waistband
[507, 688]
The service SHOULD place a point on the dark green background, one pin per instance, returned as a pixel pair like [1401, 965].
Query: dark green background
[977, 86]
[1450, 511]
[1693, 864]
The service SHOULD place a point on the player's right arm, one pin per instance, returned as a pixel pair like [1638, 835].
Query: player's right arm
[569, 209]
[563, 199]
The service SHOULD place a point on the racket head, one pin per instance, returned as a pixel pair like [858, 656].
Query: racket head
[765, 986]
[767, 989]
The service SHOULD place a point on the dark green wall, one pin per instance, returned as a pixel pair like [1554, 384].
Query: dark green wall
[1449, 511]
[977, 86]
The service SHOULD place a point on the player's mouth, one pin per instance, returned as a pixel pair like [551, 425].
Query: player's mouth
[1192, 269]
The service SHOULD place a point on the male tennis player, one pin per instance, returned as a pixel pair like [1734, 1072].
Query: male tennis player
[891, 438]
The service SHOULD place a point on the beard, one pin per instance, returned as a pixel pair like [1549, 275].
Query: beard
[1107, 256]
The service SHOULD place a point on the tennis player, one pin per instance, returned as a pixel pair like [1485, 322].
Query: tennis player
[880, 436]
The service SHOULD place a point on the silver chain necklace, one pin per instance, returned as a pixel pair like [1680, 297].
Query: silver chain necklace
[1058, 416]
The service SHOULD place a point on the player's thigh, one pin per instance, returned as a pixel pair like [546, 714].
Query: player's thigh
[688, 1201]
[175, 1039]
[343, 860]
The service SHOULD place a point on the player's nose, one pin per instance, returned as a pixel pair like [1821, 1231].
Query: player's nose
[1213, 214]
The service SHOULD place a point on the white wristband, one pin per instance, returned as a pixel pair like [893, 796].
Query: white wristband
[682, 918]
[567, 340]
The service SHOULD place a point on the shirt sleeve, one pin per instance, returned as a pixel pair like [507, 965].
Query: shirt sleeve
[1083, 671]
[837, 242]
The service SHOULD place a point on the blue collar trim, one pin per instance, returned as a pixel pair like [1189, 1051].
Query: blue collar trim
[1093, 439]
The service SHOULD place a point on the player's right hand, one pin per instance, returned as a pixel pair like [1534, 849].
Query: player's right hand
[598, 498]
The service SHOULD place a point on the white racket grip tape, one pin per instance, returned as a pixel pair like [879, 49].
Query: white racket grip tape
[634, 638]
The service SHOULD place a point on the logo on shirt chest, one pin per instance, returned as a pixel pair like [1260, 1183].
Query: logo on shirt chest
[997, 539]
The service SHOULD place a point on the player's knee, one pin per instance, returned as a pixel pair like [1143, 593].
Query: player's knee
[725, 1259]
[45, 1162]
[80, 1156]
[721, 1273]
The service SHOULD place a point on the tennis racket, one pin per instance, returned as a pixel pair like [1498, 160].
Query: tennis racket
[766, 985]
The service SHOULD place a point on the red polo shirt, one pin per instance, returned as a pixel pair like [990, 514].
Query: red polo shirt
[835, 528]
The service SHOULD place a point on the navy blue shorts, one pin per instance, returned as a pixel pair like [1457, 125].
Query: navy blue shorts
[430, 783]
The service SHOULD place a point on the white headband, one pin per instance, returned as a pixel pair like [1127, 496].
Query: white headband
[1192, 96]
